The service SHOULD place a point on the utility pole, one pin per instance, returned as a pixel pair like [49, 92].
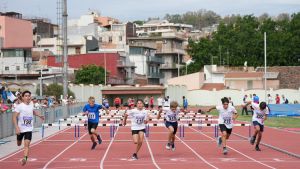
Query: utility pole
[65, 49]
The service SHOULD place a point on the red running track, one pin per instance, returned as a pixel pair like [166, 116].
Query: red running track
[196, 150]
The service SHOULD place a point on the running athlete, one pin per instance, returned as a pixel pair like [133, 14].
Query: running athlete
[260, 114]
[227, 114]
[92, 111]
[23, 121]
[139, 119]
[171, 123]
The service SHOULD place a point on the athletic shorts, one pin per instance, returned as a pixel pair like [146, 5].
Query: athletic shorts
[26, 135]
[117, 105]
[151, 105]
[173, 124]
[224, 128]
[255, 123]
[146, 105]
[133, 132]
[92, 126]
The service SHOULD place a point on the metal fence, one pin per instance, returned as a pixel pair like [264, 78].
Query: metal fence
[51, 115]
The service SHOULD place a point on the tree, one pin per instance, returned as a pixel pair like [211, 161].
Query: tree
[54, 90]
[90, 74]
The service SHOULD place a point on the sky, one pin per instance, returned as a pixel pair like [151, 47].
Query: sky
[130, 10]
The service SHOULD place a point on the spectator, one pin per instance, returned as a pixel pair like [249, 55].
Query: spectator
[230, 101]
[18, 92]
[3, 107]
[270, 99]
[160, 102]
[244, 105]
[151, 102]
[105, 102]
[185, 103]
[146, 102]
[3, 95]
[277, 99]
[117, 102]
[285, 100]
[167, 102]
[255, 99]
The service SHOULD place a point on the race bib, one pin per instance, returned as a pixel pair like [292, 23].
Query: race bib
[259, 116]
[172, 118]
[227, 120]
[27, 121]
[139, 120]
[91, 116]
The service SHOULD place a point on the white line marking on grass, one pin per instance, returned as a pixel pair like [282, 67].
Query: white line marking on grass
[106, 152]
[152, 157]
[236, 150]
[49, 162]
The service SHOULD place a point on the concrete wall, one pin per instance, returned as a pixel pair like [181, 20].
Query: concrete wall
[17, 33]
[83, 92]
[191, 81]
[140, 63]
[208, 98]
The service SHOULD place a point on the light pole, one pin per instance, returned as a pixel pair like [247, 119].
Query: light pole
[65, 40]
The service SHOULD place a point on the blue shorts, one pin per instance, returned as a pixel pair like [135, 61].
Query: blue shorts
[256, 123]
[173, 124]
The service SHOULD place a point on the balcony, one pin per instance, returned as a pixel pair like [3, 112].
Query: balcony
[155, 60]
[170, 66]
[124, 64]
[170, 51]
[155, 75]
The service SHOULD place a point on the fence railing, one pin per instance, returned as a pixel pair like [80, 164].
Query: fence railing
[51, 115]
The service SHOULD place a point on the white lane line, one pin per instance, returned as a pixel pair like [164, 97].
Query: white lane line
[236, 150]
[106, 152]
[199, 156]
[152, 157]
[49, 162]
[34, 144]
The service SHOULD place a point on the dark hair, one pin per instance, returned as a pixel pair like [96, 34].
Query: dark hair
[26, 92]
[140, 101]
[225, 100]
[262, 105]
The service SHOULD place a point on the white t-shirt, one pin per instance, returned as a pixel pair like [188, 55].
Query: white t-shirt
[171, 116]
[25, 119]
[137, 118]
[159, 101]
[258, 115]
[225, 115]
[167, 103]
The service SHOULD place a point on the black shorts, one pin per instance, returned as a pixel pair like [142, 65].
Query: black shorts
[224, 128]
[146, 105]
[151, 106]
[92, 125]
[256, 123]
[26, 135]
[133, 132]
[159, 107]
[173, 124]
[117, 105]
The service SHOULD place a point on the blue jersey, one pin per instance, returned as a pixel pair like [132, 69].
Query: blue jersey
[93, 112]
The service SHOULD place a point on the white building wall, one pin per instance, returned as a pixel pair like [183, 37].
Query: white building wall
[140, 61]
[12, 63]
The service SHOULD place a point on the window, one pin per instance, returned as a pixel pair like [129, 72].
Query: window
[17, 67]
[77, 50]
[110, 39]
[6, 68]
[120, 38]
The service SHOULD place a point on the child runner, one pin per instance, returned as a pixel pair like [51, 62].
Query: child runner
[92, 111]
[171, 118]
[23, 121]
[260, 114]
[227, 114]
[139, 119]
